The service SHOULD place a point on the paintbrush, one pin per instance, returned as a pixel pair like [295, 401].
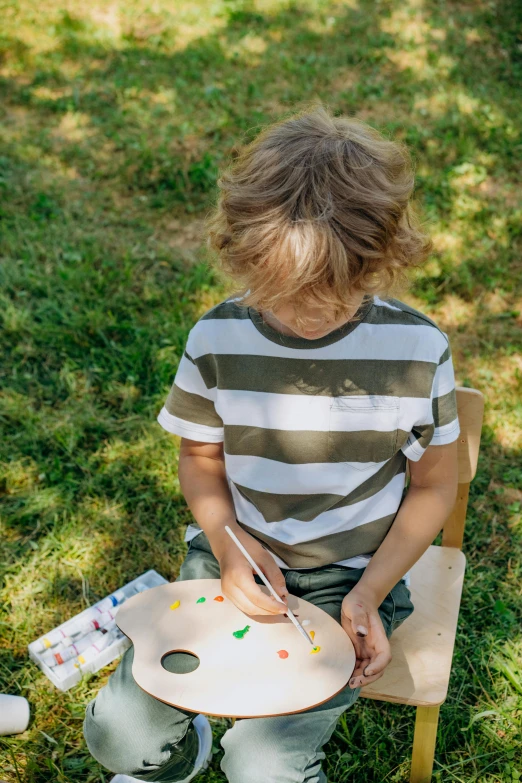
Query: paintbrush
[261, 575]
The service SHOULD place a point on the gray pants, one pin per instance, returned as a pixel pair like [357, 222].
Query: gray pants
[129, 731]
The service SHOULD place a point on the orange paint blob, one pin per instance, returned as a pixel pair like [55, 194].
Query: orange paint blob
[219, 598]
[282, 653]
[312, 635]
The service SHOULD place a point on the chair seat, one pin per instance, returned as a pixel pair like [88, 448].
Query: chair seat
[422, 648]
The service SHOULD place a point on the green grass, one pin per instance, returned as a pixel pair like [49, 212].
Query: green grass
[114, 122]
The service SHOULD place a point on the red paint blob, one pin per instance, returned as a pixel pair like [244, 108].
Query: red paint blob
[219, 598]
[282, 653]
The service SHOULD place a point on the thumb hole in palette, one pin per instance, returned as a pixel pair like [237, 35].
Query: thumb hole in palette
[180, 662]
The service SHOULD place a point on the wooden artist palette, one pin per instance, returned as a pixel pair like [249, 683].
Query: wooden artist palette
[263, 670]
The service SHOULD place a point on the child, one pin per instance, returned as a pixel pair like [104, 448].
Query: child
[298, 402]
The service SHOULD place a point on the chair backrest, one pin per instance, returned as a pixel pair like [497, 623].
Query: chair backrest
[470, 407]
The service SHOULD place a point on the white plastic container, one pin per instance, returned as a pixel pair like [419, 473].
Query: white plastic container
[14, 714]
[69, 674]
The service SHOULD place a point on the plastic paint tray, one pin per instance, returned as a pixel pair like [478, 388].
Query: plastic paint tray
[117, 647]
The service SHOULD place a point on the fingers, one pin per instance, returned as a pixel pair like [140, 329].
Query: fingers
[248, 596]
[378, 663]
[274, 575]
[370, 670]
[360, 666]
[239, 598]
[238, 583]
[372, 651]
[361, 681]
[359, 620]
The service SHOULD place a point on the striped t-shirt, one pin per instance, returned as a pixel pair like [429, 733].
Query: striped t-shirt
[316, 432]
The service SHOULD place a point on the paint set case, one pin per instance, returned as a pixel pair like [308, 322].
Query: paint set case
[63, 676]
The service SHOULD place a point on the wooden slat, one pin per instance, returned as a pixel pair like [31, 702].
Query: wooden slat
[453, 533]
[470, 405]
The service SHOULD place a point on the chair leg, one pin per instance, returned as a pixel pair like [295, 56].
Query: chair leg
[424, 741]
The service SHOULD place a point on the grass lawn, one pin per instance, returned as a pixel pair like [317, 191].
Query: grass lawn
[115, 119]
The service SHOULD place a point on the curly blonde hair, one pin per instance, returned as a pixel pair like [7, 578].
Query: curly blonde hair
[316, 210]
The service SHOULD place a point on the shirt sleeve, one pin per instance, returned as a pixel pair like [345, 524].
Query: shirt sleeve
[189, 410]
[441, 423]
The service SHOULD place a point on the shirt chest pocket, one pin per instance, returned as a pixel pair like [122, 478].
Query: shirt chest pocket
[363, 431]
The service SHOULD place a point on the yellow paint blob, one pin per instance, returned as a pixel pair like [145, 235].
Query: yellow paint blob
[315, 650]
[312, 635]
[175, 605]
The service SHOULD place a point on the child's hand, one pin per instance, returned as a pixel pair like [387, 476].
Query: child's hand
[362, 622]
[237, 577]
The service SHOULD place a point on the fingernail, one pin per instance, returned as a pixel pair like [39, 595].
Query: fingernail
[361, 630]
[368, 673]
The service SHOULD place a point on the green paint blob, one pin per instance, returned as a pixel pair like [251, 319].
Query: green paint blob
[240, 634]
[201, 600]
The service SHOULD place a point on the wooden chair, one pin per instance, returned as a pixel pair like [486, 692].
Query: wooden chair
[422, 648]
